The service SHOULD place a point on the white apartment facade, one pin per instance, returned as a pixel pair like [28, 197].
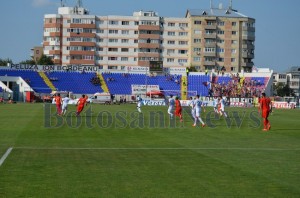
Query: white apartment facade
[73, 36]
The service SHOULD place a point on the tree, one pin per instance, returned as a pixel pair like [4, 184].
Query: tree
[28, 62]
[45, 60]
[3, 62]
[282, 90]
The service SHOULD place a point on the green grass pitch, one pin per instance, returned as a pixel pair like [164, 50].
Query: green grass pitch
[113, 151]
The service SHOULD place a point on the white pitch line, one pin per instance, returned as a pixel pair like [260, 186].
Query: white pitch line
[3, 158]
[149, 148]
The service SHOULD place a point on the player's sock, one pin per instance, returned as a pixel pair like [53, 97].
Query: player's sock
[201, 121]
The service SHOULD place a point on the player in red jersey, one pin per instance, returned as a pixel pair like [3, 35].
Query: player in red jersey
[58, 102]
[80, 104]
[265, 107]
[178, 109]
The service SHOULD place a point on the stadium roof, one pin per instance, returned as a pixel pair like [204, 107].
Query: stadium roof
[215, 12]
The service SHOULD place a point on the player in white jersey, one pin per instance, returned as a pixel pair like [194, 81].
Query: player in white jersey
[65, 101]
[198, 105]
[139, 103]
[191, 104]
[171, 106]
[216, 103]
[222, 107]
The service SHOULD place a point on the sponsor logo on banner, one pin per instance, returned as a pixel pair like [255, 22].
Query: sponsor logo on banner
[154, 102]
[141, 89]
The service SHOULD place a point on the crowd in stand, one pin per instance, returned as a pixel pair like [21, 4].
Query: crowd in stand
[237, 87]
[95, 80]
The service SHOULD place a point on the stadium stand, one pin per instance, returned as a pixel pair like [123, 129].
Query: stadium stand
[75, 82]
[31, 77]
[199, 83]
[121, 83]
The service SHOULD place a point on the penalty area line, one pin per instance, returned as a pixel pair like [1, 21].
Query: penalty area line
[149, 148]
[3, 158]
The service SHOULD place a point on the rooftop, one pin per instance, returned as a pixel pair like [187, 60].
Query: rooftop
[216, 12]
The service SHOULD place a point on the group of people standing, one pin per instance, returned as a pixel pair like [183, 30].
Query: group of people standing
[62, 104]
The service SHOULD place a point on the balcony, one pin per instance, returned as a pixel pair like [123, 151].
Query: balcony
[213, 35]
[149, 36]
[250, 29]
[87, 26]
[247, 55]
[209, 63]
[247, 64]
[211, 27]
[248, 46]
[148, 27]
[213, 44]
[209, 54]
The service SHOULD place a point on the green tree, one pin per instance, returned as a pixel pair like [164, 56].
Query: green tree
[45, 60]
[28, 62]
[282, 90]
[3, 62]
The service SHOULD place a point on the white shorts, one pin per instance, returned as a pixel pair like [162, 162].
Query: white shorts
[170, 109]
[198, 112]
[64, 107]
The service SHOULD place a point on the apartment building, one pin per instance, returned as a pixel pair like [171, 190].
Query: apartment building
[291, 77]
[216, 38]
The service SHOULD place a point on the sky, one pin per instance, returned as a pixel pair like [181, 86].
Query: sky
[277, 24]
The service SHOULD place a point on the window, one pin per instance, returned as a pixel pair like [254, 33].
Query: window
[170, 60]
[136, 23]
[113, 31]
[232, 68]
[209, 31]
[233, 60]
[221, 23]
[210, 40]
[182, 42]
[234, 42]
[197, 49]
[125, 31]
[183, 25]
[112, 58]
[182, 51]
[112, 67]
[209, 49]
[112, 49]
[209, 59]
[125, 22]
[220, 59]
[210, 22]
[220, 50]
[170, 51]
[233, 23]
[234, 32]
[233, 51]
[125, 41]
[182, 60]
[171, 33]
[124, 58]
[136, 32]
[220, 31]
[171, 42]
[221, 41]
[197, 59]
[113, 22]
[183, 33]
[197, 31]
[113, 40]
[197, 40]
[124, 49]
[99, 31]
[197, 22]
[171, 24]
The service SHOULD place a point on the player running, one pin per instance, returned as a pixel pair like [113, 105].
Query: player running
[65, 102]
[80, 104]
[191, 104]
[171, 106]
[198, 105]
[58, 102]
[222, 107]
[265, 107]
[178, 109]
[139, 103]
